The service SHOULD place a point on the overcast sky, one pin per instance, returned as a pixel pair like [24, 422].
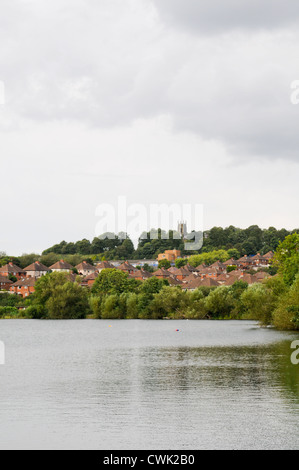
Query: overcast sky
[161, 101]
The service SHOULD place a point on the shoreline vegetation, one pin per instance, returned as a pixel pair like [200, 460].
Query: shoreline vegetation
[114, 295]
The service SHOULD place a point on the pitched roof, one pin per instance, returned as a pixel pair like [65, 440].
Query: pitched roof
[105, 265]
[218, 264]
[223, 277]
[207, 282]
[62, 265]
[258, 257]
[195, 284]
[37, 267]
[190, 278]
[262, 275]
[230, 262]
[92, 276]
[190, 268]
[183, 272]
[249, 279]
[126, 266]
[5, 280]
[209, 270]
[173, 281]
[245, 278]
[269, 255]
[162, 272]
[173, 270]
[201, 267]
[11, 268]
[84, 266]
[30, 282]
[140, 273]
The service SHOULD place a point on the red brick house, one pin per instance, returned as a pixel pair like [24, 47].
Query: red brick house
[25, 287]
[196, 283]
[89, 281]
[11, 269]
[127, 268]
[163, 274]
[221, 267]
[5, 283]
[260, 261]
[182, 273]
[140, 275]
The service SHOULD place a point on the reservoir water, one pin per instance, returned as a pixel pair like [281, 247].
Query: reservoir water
[144, 385]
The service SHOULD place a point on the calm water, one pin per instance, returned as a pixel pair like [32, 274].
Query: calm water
[143, 385]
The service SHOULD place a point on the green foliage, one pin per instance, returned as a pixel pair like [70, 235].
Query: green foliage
[148, 268]
[170, 302]
[234, 254]
[8, 300]
[164, 263]
[180, 262]
[258, 303]
[286, 315]
[113, 281]
[114, 306]
[95, 303]
[56, 297]
[287, 258]
[220, 303]
[36, 312]
[132, 307]
[209, 258]
[229, 269]
[69, 301]
[9, 312]
[197, 306]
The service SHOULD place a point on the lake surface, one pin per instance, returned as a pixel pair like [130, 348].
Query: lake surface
[144, 385]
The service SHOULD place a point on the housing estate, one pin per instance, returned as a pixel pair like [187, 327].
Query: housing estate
[248, 269]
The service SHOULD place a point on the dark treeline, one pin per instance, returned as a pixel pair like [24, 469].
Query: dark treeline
[246, 241]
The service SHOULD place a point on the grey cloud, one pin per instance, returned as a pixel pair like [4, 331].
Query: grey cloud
[108, 63]
[212, 16]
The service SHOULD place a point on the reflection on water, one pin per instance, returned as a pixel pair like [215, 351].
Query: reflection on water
[142, 385]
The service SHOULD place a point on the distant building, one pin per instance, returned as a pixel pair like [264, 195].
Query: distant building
[5, 283]
[104, 265]
[85, 269]
[11, 269]
[36, 270]
[170, 255]
[24, 288]
[140, 275]
[89, 281]
[61, 267]
[127, 268]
